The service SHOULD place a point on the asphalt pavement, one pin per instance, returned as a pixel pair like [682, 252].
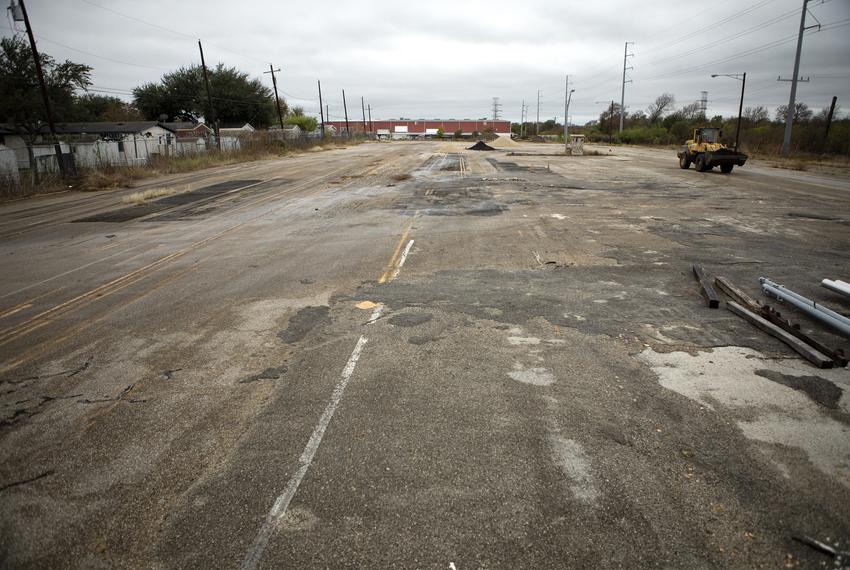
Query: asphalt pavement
[412, 355]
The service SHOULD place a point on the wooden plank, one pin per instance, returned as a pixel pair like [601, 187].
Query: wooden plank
[814, 356]
[768, 313]
[706, 288]
[740, 296]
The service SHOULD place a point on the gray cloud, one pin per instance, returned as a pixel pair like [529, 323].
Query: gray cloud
[448, 59]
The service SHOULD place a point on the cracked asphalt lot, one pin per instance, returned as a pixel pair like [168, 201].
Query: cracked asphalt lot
[411, 355]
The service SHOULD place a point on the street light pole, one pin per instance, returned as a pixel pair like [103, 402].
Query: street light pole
[567, 119]
[742, 77]
[740, 111]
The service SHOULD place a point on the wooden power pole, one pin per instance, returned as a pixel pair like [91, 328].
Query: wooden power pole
[209, 97]
[276, 98]
[43, 86]
[321, 109]
[345, 110]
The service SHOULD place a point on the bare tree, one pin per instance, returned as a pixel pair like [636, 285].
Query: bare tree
[824, 113]
[756, 115]
[691, 112]
[802, 113]
[657, 109]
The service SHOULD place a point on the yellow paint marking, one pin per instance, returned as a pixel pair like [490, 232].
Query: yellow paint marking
[27, 304]
[388, 270]
[366, 305]
[73, 331]
[14, 310]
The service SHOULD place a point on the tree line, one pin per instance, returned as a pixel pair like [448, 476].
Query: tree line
[179, 95]
[663, 123]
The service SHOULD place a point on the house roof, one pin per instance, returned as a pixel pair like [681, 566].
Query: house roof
[105, 127]
[98, 127]
[183, 126]
[246, 126]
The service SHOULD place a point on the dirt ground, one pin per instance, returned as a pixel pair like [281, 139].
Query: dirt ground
[412, 355]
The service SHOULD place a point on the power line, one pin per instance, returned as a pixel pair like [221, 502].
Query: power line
[169, 30]
[42, 38]
[788, 39]
[703, 47]
[690, 35]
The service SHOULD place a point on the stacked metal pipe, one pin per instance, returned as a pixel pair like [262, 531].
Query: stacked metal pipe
[814, 309]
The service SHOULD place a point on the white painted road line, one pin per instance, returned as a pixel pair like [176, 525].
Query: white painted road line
[278, 510]
[402, 260]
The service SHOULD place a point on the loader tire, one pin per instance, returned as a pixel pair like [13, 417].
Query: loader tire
[684, 162]
[726, 168]
[699, 163]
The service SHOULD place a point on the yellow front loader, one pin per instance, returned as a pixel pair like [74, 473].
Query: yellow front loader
[706, 151]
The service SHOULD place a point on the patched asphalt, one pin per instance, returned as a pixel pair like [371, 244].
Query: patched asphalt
[541, 384]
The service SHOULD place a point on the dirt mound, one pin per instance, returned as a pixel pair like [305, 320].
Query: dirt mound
[481, 145]
[503, 142]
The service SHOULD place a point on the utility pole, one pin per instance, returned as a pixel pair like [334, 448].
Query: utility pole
[363, 109]
[522, 120]
[829, 118]
[789, 114]
[537, 127]
[369, 109]
[345, 109]
[321, 109]
[43, 86]
[611, 119]
[626, 56]
[496, 108]
[276, 98]
[568, 95]
[209, 97]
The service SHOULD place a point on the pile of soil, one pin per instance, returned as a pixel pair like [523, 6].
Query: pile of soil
[503, 141]
[481, 145]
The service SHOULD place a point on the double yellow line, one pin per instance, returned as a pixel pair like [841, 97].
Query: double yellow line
[390, 267]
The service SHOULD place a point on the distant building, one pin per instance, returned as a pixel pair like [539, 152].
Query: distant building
[187, 130]
[235, 129]
[415, 129]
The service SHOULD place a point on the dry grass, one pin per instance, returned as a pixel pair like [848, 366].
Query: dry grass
[792, 164]
[144, 196]
[110, 177]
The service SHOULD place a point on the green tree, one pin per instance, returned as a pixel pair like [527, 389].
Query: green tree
[181, 95]
[21, 104]
[296, 116]
[305, 123]
[93, 107]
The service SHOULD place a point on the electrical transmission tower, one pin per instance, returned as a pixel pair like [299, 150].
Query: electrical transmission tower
[703, 102]
[626, 56]
[497, 108]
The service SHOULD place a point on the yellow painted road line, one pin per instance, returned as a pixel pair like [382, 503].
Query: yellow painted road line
[391, 265]
[46, 317]
[55, 342]
[14, 310]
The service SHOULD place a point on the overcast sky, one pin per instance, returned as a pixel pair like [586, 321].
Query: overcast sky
[448, 59]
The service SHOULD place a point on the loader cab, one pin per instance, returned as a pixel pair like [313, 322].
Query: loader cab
[709, 135]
